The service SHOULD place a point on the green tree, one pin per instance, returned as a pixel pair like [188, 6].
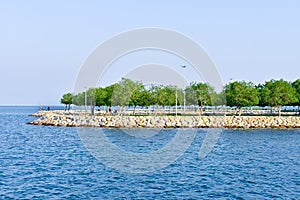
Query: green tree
[67, 99]
[108, 98]
[101, 96]
[153, 95]
[274, 93]
[203, 94]
[162, 95]
[190, 96]
[139, 96]
[277, 93]
[166, 96]
[219, 99]
[127, 92]
[241, 94]
[91, 99]
[296, 86]
[78, 99]
[120, 93]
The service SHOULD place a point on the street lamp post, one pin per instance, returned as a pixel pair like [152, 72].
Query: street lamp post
[176, 102]
[85, 98]
[183, 66]
[184, 100]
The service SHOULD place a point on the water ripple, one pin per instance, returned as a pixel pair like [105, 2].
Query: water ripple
[51, 163]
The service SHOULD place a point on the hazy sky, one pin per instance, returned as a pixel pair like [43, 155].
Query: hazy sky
[44, 43]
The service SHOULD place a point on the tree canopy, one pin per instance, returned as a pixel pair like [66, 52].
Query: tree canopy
[296, 86]
[67, 99]
[273, 93]
[277, 93]
[241, 94]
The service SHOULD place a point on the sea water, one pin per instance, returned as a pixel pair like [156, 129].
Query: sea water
[45, 162]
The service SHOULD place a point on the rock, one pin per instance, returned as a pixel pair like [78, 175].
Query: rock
[76, 118]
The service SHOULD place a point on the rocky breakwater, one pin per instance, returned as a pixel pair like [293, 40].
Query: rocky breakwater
[80, 119]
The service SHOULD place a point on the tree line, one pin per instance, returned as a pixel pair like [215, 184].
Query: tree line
[239, 94]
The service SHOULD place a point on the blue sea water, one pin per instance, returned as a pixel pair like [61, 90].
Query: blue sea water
[43, 162]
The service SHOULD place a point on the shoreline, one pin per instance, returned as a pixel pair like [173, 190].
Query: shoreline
[80, 119]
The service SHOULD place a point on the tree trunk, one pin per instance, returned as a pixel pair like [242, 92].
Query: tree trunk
[225, 110]
[134, 109]
[122, 110]
[279, 111]
[236, 111]
[155, 110]
[200, 110]
[271, 110]
[240, 111]
[93, 110]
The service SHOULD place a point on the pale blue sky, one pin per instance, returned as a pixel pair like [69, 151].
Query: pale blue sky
[43, 43]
